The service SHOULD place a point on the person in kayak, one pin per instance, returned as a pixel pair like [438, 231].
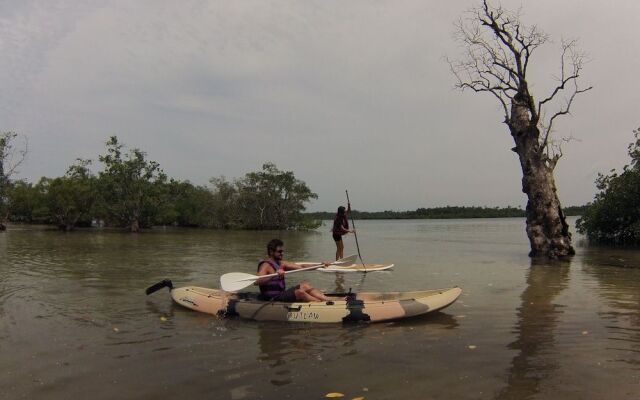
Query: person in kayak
[274, 288]
[340, 228]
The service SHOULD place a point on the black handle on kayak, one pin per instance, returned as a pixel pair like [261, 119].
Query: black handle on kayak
[159, 285]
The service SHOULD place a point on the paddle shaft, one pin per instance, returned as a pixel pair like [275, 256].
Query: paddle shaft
[353, 223]
[234, 281]
[256, 277]
[341, 261]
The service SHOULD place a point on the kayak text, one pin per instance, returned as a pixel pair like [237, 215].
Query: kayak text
[302, 316]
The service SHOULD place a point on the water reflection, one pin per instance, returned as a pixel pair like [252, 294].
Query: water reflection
[339, 283]
[287, 349]
[538, 317]
[617, 273]
[355, 284]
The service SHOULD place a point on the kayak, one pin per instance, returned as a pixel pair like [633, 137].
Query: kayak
[356, 268]
[349, 268]
[352, 307]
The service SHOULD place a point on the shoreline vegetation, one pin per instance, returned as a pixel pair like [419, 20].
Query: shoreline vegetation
[131, 192]
[448, 212]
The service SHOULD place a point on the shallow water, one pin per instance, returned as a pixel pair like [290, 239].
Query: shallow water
[75, 323]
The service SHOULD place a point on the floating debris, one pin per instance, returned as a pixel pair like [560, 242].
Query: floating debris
[334, 394]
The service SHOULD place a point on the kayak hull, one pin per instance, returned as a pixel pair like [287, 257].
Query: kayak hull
[367, 307]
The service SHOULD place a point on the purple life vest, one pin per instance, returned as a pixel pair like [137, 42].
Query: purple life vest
[276, 285]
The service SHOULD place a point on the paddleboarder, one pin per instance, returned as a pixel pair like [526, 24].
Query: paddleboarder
[274, 288]
[341, 228]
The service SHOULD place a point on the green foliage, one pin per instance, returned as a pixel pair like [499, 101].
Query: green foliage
[133, 192]
[70, 199]
[614, 215]
[26, 203]
[574, 210]
[131, 187]
[187, 205]
[225, 207]
[266, 199]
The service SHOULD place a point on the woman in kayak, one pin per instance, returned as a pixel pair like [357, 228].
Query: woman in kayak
[340, 228]
[274, 288]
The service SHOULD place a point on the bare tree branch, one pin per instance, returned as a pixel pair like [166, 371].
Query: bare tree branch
[11, 157]
[498, 50]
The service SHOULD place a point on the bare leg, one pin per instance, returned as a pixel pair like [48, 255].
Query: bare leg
[339, 249]
[304, 296]
[318, 295]
[307, 293]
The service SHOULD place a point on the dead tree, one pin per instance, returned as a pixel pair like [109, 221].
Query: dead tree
[498, 51]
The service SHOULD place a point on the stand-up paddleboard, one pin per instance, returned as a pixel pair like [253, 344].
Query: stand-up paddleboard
[357, 268]
[350, 268]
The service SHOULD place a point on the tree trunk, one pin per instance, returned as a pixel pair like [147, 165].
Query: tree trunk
[3, 220]
[135, 226]
[547, 229]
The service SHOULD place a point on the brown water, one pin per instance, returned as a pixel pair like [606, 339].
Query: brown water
[75, 323]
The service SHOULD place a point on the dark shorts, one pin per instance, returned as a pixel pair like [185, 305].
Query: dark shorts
[289, 295]
[337, 238]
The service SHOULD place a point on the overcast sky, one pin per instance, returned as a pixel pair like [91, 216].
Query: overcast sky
[347, 94]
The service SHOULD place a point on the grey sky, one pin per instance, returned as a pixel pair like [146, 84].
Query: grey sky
[347, 94]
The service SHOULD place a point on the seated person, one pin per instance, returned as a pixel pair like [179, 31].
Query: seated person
[274, 288]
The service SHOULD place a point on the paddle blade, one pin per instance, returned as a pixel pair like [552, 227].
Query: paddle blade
[234, 281]
[346, 260]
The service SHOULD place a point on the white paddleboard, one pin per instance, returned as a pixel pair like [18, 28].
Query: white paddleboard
[356, 268]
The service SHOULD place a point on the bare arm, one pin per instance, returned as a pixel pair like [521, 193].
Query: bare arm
[288, 265]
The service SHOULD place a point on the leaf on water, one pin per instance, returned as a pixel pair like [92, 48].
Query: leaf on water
[163, 318]
[358, 398]
[585, 332]
[334, 394]
[472, 347]
[116, 329]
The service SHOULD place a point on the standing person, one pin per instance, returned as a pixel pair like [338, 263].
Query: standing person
[340, 228]
[274, 288]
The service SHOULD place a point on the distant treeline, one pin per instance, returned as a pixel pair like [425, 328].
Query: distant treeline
[132, 192]
[448, 212]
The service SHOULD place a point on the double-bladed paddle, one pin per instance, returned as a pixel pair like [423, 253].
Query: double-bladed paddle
[234, 281]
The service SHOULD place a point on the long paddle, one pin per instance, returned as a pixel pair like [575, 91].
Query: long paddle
[234, 281]
[353, 223]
